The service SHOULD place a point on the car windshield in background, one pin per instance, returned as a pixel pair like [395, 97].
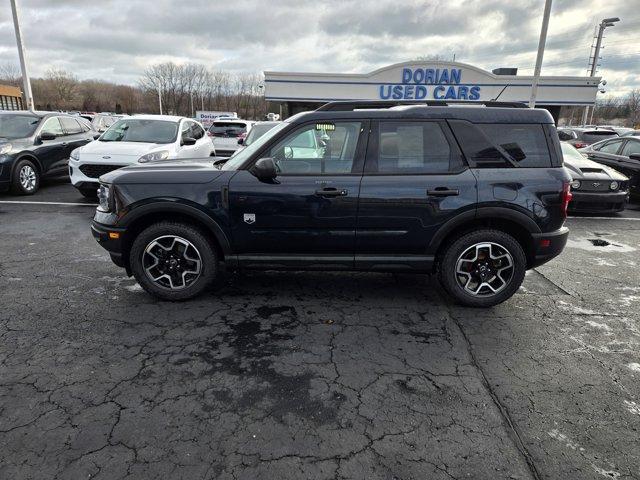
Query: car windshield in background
[227, 129]
[257, 131]
[17, 126]
[143, 131]
[597, 135]
[242, 156]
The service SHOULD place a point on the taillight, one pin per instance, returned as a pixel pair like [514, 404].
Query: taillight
[579, 145]
[566, 197]
[243, 135]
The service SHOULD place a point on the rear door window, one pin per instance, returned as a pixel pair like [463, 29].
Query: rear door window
[525, 143]
[630, 148]
[609, 147]
[70, 125]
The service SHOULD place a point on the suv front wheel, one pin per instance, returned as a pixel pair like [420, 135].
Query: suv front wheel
[482, 268]
[173, 261]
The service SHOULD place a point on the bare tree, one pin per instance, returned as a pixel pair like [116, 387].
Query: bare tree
[632, 104]
[10, 74]
[63, 86]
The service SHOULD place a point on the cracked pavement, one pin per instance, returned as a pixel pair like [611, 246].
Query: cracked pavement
[313, 375]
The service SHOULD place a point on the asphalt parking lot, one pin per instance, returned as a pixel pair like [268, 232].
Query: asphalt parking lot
[312, 375]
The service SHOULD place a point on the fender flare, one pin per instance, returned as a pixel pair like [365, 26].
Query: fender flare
[140, 212]
[27, 156]
[497, 213]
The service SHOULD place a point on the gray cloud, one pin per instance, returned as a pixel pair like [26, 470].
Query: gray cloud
[117, 39]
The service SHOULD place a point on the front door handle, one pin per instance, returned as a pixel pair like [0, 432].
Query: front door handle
[443, 192]
[332, 192]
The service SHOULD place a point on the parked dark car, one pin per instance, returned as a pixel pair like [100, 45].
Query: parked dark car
[37, 144]
[581, 137]
[258, 129]
[622, 154]
[595, 188]
[475, 194]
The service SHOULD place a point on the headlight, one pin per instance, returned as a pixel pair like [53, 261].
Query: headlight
[5, 148]
[150, 157]
[104, 198]
[614, 185]
[75, 154]
[575, 185]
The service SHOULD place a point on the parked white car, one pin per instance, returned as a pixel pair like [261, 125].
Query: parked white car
[226, 133]
[137, 139]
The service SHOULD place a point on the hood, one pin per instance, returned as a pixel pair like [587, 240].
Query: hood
[165, 171]
[133, 149]
[585, 168]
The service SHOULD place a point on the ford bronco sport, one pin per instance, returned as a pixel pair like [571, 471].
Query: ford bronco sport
[476, 194]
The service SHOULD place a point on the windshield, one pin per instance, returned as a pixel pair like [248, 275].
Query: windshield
[17, 126]
[143, 131]
[227, 129]
[239, 158]
[569, 151]
[257, 131]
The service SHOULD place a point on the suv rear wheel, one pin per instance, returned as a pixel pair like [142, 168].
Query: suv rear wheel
[482, 268]
[173, 261]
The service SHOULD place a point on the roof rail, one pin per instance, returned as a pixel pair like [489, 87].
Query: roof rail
[345, 106]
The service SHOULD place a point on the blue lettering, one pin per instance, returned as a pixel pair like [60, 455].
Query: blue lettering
[456, 75]
[451, 93]
[421, 92]
[428, 76]
[418, 75]
[408, 92]
[384, 95]
[474, 93]
[406, 75]
[462, 93]
[397, 92]
[436, 76]
[445, 76]
[437, 92]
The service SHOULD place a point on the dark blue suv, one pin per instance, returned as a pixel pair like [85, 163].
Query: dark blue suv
[475, 194]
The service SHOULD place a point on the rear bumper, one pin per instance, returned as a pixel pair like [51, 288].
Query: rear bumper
[548, 245]
[598, 202]
[104, 235]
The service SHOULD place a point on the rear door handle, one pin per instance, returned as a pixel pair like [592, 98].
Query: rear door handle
[332, 192]
[443, 192]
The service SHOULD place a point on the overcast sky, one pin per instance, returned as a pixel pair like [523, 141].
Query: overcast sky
[117, 39]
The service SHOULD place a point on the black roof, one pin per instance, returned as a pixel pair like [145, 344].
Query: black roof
[505, 113]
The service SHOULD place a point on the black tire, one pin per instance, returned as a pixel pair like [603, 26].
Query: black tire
[91, 193]
[449, 259]
[19, 185]
[193, 235]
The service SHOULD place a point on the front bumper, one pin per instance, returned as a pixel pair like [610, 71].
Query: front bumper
[548, 245]
[106, 235]
[589, 202]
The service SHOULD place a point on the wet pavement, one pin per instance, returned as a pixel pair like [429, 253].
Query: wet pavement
[313, 375]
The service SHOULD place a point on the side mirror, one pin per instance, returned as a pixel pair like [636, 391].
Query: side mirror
[635, 156]
[240, 141]
[264, 169]
[188, 141]
[96, 136]
[48, 136]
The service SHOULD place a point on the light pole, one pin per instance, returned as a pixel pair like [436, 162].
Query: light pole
[607, 22]
[28, 96]
[160, 98]
[541, 44]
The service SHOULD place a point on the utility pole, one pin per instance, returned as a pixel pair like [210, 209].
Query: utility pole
[541, 44]
[607, 22]
[28, 96]
[160, 97]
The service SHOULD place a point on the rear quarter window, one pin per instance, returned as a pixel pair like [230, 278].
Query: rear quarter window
[526, 143]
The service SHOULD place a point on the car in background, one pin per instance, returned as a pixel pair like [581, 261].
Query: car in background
[581, 137]
[632, 133]
[595, 188]
[101, 122]
[138, 139]
[34, 145]
[257, 130]
[619, 130]
[226, 133]
[621, 154]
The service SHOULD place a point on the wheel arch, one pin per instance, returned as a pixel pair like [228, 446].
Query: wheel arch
[26, 156]
[510, 221]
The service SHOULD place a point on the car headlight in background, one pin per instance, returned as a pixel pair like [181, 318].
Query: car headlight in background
[75, 154]
[104, 198]
[575, 185]
[614, 185]
[150, 157]
[5, 148]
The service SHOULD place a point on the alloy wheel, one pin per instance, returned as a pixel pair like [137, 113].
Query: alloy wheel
[484, 269]
[28, 178]
[172, 262]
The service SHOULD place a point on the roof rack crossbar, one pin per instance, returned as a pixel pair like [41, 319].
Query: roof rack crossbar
[345, 106]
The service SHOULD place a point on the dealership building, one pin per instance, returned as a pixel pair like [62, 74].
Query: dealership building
[293, 92]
